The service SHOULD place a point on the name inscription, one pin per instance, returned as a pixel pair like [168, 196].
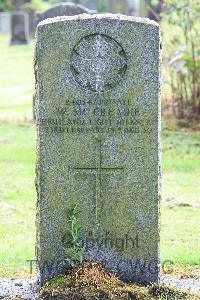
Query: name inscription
[82, 117]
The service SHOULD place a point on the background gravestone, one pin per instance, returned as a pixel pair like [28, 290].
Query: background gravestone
[19, 28]
[62, 9]
[4, 23]
[28, 8]
[98, 114]
[19, 3]
[127, 7]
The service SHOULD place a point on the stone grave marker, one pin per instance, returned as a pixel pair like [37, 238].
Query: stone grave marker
[30, 10]
[98, 142]
[4, 23]
[19, 28]
[20, 3]
[62, 9]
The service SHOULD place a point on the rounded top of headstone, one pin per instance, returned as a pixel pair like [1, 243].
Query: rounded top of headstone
[99, 17]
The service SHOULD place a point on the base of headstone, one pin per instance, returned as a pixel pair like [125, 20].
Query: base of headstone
[135, 271]
[16, 43]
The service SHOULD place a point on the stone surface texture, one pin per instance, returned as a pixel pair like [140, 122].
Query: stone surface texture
[98, 142]
[19, 28]
[62, 9]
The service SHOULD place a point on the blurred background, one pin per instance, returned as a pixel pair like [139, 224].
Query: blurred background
[180, 23]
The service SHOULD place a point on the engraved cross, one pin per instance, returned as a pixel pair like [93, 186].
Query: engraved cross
[99, 169]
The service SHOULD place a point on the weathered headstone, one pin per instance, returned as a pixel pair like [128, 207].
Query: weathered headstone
[19, 28]
[62, 9]
[98, 115]
[4, 23]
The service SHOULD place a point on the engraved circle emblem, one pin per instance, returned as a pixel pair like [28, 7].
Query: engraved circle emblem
[98, 62]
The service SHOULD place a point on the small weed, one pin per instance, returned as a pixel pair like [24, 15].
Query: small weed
[75, 253]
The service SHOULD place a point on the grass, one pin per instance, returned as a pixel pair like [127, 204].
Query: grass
[17, 196]
[180, 212]
[181, 170]
[16, 80]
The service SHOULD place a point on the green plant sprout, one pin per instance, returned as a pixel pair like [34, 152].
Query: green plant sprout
[75, 253]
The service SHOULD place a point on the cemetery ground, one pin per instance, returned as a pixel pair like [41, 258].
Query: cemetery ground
[180, 209]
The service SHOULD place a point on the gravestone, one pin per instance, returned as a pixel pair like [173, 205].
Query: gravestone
[98, 126]
[4, 23]
[62, 9]
[29, 9]
[20, 3]
[19, 28]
